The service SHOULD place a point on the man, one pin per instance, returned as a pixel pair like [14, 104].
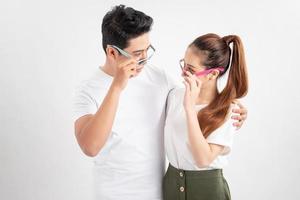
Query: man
[120, 111]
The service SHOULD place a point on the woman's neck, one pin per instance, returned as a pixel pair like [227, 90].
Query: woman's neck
[207, 94]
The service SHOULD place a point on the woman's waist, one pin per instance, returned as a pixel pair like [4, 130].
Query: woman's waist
[197, 173]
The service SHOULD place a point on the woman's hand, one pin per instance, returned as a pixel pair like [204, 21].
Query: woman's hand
[192, 90]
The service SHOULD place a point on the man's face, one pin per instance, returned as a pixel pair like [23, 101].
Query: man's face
[137, 48]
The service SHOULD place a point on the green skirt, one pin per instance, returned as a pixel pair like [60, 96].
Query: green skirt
[195, 185]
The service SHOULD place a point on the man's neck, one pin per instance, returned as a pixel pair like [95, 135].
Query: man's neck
[108, 69]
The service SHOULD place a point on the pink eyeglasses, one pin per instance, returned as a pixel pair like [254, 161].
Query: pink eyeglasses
[201, 73]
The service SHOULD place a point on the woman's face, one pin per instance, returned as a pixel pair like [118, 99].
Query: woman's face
[192, 63]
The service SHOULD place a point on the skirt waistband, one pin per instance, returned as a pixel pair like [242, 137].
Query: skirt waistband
[213, 173]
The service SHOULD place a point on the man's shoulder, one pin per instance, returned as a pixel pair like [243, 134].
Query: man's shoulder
[155, 69]
[177, 93]
[95, 79]
[94, 86]
[161, 73]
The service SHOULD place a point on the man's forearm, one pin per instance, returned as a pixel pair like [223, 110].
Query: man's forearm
[94, 135]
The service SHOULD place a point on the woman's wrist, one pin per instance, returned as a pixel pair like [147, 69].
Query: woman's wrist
[190, 109]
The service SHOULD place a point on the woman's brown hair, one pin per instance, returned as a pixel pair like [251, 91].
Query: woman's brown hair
[215, 52]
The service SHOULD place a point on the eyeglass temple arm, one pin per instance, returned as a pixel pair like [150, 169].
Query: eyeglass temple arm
[124, 53]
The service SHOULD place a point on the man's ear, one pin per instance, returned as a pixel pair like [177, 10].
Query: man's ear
[111, 52]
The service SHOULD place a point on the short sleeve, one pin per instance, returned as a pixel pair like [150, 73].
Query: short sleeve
[224, 135]
[171, 83]
[83, 102]
[169, 101]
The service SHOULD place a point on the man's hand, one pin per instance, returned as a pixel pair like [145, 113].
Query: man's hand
[241, 115]
[125, 70]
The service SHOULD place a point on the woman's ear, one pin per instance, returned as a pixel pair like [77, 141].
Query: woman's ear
[214, 75]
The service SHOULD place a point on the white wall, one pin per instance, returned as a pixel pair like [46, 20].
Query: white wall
[47, 47]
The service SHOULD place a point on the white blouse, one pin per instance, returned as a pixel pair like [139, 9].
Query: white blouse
[176, 140]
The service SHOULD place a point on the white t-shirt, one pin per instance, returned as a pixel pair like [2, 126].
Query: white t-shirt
[177, 145]
[132, 162]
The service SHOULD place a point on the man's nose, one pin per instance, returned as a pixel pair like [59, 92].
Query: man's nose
[144, 55]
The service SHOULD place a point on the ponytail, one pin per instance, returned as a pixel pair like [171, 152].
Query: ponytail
[214, 115]
[238, 79]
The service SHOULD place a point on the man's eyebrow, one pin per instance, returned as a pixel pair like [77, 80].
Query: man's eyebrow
[137, 51]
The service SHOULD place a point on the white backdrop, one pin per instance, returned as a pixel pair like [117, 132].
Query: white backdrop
[48, 47]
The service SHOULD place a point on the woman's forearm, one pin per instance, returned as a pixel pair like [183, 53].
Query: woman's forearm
[201, 149]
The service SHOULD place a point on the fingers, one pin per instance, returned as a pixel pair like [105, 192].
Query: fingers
[238, 117]
[199, 83]
[241, 115]
[196, 82]
[187, 84]
[130, 66]
[241, 110]
[238, 125]
[239, 104]
[190, 75]
[237, 111]
[127, 62]
[192, 80]
[130, 69]
[188, 80]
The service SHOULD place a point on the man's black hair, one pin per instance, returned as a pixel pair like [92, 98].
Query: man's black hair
[122, 24]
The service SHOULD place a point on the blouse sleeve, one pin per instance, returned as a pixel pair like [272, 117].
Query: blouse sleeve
[224, 135]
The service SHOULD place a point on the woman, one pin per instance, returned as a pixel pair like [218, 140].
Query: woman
[199, 131]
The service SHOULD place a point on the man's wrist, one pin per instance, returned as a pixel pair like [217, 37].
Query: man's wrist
[114, 89]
